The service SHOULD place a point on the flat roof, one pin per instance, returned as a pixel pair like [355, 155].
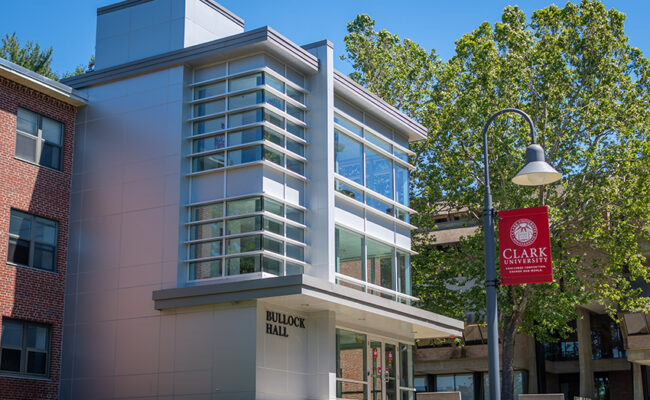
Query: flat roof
[31, 79]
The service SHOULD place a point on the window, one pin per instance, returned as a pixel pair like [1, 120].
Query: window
[351, 365]
[32, 241]
[39, 139]
[24, 347]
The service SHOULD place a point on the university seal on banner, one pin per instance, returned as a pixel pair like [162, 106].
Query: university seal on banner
[523, 232]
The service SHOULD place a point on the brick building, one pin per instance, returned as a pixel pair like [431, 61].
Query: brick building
[36, 140]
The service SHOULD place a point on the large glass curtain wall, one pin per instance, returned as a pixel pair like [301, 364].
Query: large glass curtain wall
[247, 118]
[243, 236]
[373, 163]
[369, 265]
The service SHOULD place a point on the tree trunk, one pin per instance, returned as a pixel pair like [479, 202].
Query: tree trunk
[510, 326]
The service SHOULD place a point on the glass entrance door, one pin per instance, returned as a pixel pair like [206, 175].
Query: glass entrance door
[376, 372]
[383, 375]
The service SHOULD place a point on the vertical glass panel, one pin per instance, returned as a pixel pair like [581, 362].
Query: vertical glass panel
[296, 147]
[402, 155]
[243, 244]
[27, 122]
[213, 89]
[295, 112]
[243, 206]
[401, 185]
[295, 77]
[390, 373]
[379, 205]
[348, 158]
[18, 251]
[407, 395]
[245, 136]
[296, 129]
[295, 252]
[271, 265]
[420, 384]
[402, 215]
[242, 265]
[52, 131]
[276, 246]
[209, 125]
[245, 100]
[295, 233]
[208, 108]
[205, 270]
[246, 82]
[404, 270]
[274, 119]
[207, 144]
[349, 253]
[36, 337]
[244, 118]
[274, 207]
[445, 383]
[44, 256]
[26, 147]
[380, 264]
[274, 82]
[379, 174]
[45, 231]
[273, 156]
[10, 360]
[273, 137]
[295, 214]
[204, 163]
[293, 269]
[379, 142]
[350, 362]
[296, 94]
[20, 224]
[205, 249]
[296, 166]
[274, 100]
[12, 333]
[465, 385]
[242, 156]
[274, 226]
[406, 365]
[349, 125]
[376, 371]
[50, 156]
[243, 225]
[348, 190]
[206, 231]
[209, 211]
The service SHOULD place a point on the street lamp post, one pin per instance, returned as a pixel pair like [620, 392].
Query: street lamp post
[535, 172]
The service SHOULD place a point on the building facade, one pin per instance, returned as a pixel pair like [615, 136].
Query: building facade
[239, 225]
[37, 118]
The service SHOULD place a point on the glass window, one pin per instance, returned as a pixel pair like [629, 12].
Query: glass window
[406, 365]
[402, 155]
[273, 137]
[244, 118]
[463, 383]
[243, 244]
[210, 211]
[206, 231]
[243, 156]
[32, 240]
[295, 233]
[213, 89]
[273, 156]
[293, 269]
[348, 190]
[207, 144]
[208, 108]
[245, 136]
[379, 205]
[205, 249]
[273, 206]
[38, 139]
[274, 82]
[243, 225]
[274, 100]
[379, 173]
[24, 347]
[243, 206]
[209, 125]
[295, 252]
[295, 214]
[404, 273]
[402, 215]
[379, 142]
[274, 119]
[351, 365]
[273, 245]
[348, 157]
[246, 82]
[245, 100]
[205, 270]
[379, 264]
[295, 147]
[242, 265]
[274, 226]
[349, 253]
[271, 265]
[296, 166]
[205, 163]
[295, 112]
[401, 185]
[349, 125]
[296, 129]
[296, 94]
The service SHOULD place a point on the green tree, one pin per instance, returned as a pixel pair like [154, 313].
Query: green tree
[573, 70]
[30, 56]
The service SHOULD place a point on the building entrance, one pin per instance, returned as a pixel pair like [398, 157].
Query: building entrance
[383, 385]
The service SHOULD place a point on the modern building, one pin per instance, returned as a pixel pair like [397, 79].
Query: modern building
[600, 360]
[37, 117]
[239, 224]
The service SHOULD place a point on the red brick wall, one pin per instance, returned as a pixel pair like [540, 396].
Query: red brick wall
[27, 293]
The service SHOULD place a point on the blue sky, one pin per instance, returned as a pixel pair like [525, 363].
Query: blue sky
[69, 25]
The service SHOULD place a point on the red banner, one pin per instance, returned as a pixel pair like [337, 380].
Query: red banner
[525, 246]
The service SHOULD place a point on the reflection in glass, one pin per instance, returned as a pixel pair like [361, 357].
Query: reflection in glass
[205, 231]
[401, 185]
[210, 211]
[207, 144]
[205, 163]
[245, 100]
[349, 253]
[350, 364]
[205, 249]
[205, 269]
[246, 82]
[242, 265]
[214, 89]
[208, 108]
[379, 264]
[349, 125]
[379, 173]
[243, 156]
[348, 158]
[243, 206]
[348, 190]
[209, 125]
[295, 215]
[243, 225]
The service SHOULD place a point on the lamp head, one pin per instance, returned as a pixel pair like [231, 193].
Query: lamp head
[537, 171]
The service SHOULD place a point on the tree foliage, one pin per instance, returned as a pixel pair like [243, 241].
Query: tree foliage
[573, 71]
